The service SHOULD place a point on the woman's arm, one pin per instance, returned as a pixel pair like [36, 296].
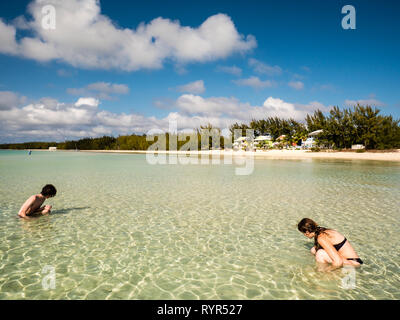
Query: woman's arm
[337, 260]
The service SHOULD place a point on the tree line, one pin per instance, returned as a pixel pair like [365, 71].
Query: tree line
[341, 128]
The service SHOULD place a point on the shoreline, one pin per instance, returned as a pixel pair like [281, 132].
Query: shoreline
[270, 154]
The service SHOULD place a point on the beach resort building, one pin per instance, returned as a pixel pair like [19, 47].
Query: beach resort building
[263, 142]
[243, 143]
[310, 142]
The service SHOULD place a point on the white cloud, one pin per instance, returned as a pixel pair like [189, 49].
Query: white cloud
[109, 87]
[364, 102]
[21, 23]
[255, 82]
[164, 103]
[298, 85]
[193, 87]
[7, 39]
[236, 71]
[234, 110]
[86, 38]
[10, 99]
[102, 90]
[91, 102]
[49, 119]
[263, 68]
[312, 106]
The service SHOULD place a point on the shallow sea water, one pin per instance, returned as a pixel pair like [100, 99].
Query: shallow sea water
[124, 229]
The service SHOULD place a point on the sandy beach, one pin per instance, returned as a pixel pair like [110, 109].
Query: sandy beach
[277, 154]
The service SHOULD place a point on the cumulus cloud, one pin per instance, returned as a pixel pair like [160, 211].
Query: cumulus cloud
[234, 110]
[255, 83]
[193, 87]
[91, 102]
[370, 102]
[312, 106]
[263, 68]
[224, 111]
[7, 39]
[10, 99]
[85, 38]
[49, 119]
[298, 85]
[236, 71]
[164, 103]
[102, 90]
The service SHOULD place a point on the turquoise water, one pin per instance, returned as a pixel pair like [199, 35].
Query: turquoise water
[124, 229]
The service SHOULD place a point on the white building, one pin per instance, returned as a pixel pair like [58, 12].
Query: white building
[242, 143]
[267, 139]
[52, 148]
[263, 138]
[310, 142]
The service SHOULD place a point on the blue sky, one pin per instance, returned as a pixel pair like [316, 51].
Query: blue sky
[294, 52]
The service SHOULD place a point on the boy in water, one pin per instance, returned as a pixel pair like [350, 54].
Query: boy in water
[32, 206]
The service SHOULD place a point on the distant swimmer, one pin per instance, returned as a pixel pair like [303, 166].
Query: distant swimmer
[329, 245]
[32, 206]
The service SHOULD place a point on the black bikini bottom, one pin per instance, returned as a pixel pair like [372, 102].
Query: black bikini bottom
[356, 259]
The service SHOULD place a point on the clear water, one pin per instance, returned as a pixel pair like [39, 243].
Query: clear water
[124, 229]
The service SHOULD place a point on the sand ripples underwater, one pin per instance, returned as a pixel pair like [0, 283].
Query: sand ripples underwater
[124, 229]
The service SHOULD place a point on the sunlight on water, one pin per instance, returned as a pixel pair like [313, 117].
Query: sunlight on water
[124, 229]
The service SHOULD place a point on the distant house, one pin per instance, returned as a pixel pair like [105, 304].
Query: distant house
[262, 141]
[357, 147]
[310, 142]
[242, 143]
[52, 148]
[263, 138]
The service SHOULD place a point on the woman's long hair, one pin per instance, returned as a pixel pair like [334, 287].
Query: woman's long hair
[309, 225]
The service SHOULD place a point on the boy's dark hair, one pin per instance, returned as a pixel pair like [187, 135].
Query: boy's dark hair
[49, 190]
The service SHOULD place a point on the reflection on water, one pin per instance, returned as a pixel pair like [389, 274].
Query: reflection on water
[123, 229]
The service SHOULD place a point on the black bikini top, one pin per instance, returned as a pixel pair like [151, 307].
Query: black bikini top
[339, 245]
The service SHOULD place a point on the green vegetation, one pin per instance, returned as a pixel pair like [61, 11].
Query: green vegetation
[341, 129]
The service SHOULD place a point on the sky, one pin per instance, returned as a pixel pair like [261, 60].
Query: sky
[121, 67]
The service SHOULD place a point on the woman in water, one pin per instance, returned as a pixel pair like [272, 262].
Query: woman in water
[329, 245]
